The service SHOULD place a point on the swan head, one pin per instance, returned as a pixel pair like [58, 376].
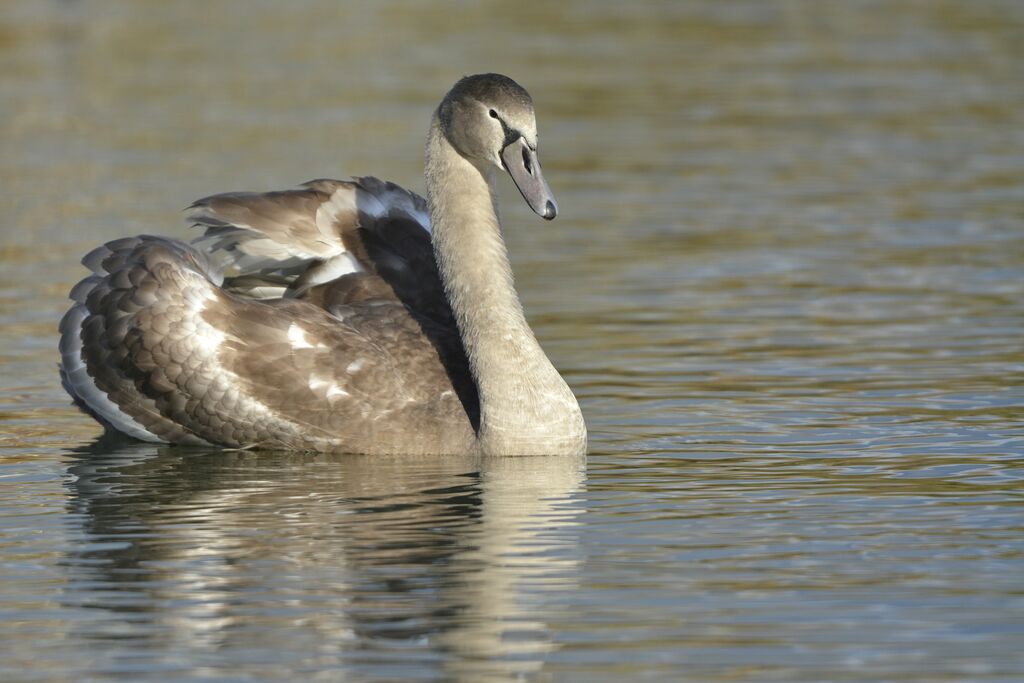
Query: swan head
[489, 120]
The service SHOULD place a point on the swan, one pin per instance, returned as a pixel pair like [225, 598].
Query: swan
[341, 316]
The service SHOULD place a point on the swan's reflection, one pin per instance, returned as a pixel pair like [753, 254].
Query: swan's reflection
[325, 563]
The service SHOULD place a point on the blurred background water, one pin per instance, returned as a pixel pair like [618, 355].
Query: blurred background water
[786, 284]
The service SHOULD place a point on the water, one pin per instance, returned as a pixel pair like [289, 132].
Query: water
[787, 284]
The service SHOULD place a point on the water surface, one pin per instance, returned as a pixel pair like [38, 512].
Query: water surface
[787, 284]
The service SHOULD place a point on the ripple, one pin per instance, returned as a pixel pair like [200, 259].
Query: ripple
[787, 285]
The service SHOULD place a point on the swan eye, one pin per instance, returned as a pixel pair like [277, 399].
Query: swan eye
[493, 114]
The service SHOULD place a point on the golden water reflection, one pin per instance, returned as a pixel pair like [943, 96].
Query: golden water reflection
[356, 559]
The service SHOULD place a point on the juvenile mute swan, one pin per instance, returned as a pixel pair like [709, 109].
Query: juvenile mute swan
[349, 316]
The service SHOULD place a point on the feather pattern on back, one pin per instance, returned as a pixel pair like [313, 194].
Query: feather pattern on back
[287, 231]
[156, 348]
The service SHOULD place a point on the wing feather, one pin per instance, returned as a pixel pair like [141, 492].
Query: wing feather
[288, 231]
[158, 351]
[332, 314]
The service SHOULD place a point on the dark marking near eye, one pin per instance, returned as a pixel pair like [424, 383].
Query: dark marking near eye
[493, 114]
[511, 134]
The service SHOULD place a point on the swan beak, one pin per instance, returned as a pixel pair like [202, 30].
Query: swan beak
[522, 164]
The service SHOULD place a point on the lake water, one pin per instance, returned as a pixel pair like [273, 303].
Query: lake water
[787, 285]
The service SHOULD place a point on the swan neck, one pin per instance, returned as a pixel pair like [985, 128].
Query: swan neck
[525, 405]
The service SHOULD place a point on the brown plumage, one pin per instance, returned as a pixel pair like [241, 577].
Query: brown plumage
[318, 319]
[287, 372]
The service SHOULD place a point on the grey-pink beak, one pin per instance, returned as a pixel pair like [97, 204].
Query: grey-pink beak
[521, 162]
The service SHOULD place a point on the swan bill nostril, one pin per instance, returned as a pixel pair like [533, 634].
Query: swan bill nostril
[550, 211]
[521, 163]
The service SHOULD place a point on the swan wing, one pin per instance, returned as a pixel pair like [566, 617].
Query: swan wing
[332, 242]
[312, 228]
[154, 348]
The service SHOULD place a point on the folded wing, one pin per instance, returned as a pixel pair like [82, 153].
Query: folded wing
[155, 348]
[307, 236]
